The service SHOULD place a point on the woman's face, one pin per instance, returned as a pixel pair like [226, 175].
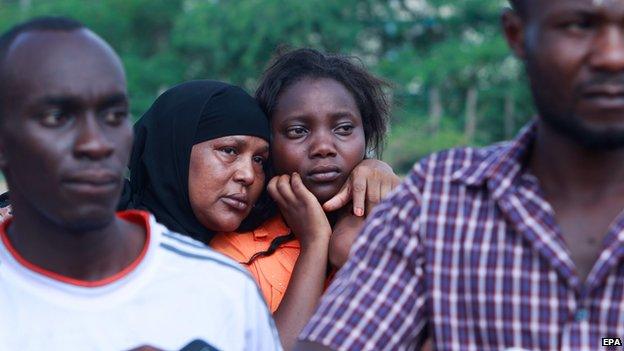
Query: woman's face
[317, 131]
[226, 178]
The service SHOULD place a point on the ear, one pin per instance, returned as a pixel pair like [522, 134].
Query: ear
[513, 27]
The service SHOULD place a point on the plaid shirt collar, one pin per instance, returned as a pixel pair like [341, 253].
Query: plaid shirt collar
[502, 171]
[501, 168]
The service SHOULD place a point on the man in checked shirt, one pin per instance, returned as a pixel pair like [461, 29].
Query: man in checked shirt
[519, 245]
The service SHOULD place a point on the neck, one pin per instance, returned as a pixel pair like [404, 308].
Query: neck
[89, 255]
[567, 168]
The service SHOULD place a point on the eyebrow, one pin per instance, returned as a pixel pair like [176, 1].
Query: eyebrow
[115, 99]
[342, 114]
[58, 101]
[306, 117]
[578, 9]
[241, 143]
[71, 101]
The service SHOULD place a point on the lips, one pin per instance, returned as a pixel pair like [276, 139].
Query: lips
[608, 97]
[91, 182]
[324, 173]
[239, 202]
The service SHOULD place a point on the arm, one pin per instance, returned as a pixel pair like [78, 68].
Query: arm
[379, 299]
[306, 218]
[369, 182]
[345, 232]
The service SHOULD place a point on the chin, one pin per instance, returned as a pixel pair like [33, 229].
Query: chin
[88, 221]
[590, 131]
[322, 195]
[323, 191]
[228, 226]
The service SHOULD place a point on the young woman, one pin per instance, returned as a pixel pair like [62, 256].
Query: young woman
[326, 113]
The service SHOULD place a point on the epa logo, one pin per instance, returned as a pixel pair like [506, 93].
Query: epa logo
[611, 342]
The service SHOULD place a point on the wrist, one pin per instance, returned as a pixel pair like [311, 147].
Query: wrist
[315, 244]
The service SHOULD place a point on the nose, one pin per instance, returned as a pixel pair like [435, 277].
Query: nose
[608, 53]
[91, 142]
[244, 173]
[322, 145]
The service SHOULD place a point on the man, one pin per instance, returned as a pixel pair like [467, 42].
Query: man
[73, 274]
[514, 246]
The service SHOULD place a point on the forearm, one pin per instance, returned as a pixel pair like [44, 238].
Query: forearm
[344, 234]
[303, 293]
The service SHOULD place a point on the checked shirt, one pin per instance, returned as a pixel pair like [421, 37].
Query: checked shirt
[467, 251]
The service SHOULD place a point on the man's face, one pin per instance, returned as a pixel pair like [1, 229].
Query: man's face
[64, 136]
[574, 56]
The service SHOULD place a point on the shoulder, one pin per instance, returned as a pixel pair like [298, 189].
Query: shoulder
[185, 251]
[448, 165]
[437, 174]
[190, 252]
[210, 281]
[195, 266]
[446, 162]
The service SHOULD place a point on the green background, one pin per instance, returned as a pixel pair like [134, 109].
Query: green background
[454, 81]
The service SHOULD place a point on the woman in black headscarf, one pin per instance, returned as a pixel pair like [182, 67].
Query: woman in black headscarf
[199, 159]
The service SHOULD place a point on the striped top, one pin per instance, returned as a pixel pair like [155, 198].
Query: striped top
[176, 291]
[467, 251]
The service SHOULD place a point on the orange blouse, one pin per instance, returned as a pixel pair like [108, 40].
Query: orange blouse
[273, 272]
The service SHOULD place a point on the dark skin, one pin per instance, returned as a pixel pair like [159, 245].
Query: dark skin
[574, 54]
[318, 141]
[318, 138]
[323, 150]
[318, 133]
[65, 140]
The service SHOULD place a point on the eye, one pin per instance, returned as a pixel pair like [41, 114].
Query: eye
[344, 129]
[54, 118]
[229, 150]
[259, 160]
[115, 117]
[296, 132]
[577, 25]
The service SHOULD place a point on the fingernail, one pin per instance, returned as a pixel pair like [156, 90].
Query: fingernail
[359, 212]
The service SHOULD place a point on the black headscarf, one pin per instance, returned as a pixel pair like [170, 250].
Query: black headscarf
[181, 117]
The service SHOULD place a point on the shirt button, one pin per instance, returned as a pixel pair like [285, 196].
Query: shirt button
[581, 315]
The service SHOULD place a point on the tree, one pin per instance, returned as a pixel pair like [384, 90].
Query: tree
[454, 80]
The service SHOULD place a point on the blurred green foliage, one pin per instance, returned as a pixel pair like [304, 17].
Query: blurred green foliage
[454, 79]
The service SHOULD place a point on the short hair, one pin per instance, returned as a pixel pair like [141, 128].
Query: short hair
[48, 23]
[37, 23]
[367, 90]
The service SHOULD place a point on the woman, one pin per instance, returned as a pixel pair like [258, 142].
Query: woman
[199, 161]
[326, 112]
[199, 158]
